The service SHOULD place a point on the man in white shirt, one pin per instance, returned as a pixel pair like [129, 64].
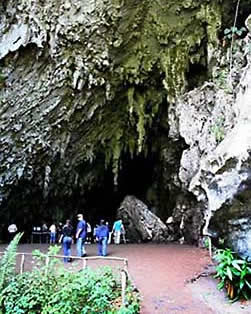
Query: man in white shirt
[53, 233]
[12, 229]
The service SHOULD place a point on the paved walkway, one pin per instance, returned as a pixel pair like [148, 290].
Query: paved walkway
[160, 272]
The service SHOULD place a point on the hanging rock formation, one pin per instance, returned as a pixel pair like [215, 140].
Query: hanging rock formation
[84, 82]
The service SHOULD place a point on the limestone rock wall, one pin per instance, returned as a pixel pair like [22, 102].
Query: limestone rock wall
[215, 123]
[81, 79]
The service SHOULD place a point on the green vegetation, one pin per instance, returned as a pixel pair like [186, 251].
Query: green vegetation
[8, 262]
[50, 288]
[218, 130]
[234, 273]
[2, 79]
[233, 31]
[152, 50]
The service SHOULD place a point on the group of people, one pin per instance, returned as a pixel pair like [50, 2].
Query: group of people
[64, 234]
[101, 234]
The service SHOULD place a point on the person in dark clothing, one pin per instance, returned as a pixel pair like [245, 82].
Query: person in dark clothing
[67, 240]
[59, 229]
[102, 234]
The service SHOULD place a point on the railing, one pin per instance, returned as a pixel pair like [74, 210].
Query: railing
[123, 272]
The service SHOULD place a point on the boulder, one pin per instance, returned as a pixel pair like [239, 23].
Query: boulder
[141, 225]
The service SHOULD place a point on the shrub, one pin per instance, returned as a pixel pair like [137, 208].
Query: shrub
[52, 289]
[234, 273]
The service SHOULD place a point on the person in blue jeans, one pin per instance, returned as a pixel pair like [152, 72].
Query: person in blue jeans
[53, 233]
[81, 235]
[67, 240]
[102, 234]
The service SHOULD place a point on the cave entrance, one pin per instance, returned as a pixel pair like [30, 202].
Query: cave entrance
[134, 178]
[27, 208]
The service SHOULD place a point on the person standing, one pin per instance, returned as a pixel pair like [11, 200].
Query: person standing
[66, 236]
[59, 229]
[81, 235]
[12, 229]
[44, 227]
[94, 232]
[89, 233]
[116, 229]
[102, 234]
[53, 232]
[110, 233]
[123, 233]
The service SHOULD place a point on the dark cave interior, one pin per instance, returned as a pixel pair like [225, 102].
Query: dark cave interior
[134, 178]
[27, 208]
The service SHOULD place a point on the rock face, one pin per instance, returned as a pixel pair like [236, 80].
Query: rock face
[215, 122]
[141, 225]
[87, 78]
[83, 83]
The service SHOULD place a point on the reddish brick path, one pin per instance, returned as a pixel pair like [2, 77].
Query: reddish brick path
[160, 273]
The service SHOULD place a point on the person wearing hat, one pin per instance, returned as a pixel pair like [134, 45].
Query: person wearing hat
[81, 235]
[102, 235]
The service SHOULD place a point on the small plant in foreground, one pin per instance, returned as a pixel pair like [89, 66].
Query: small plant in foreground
[8, 262]
[234, 273]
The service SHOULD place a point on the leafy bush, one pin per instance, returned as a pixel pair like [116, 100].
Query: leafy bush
[234, 274]
[52, 289]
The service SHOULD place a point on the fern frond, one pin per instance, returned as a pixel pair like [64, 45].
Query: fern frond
[8, 261]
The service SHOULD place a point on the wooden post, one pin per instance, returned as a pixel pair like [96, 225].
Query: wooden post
[84, 263]
[22, 264]
[126, 265]
[123, 285]
[209, 246]
[47, 264]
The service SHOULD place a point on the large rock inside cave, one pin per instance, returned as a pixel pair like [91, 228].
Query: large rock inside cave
[141, 225]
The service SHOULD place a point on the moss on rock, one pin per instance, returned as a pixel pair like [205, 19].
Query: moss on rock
[88, 78]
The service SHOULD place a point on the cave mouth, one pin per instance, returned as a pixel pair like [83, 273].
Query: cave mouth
[26, 206]
[134, 178]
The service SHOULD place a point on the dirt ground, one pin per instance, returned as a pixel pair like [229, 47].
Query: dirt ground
[163, 274]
